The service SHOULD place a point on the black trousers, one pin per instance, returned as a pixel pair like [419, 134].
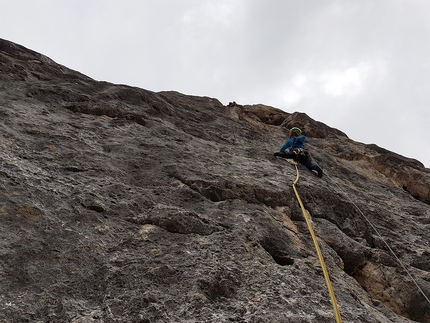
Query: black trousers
[302, 159]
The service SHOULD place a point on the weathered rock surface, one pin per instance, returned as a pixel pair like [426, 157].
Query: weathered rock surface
[119, 204]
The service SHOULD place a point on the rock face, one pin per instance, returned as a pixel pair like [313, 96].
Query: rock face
[119, 204]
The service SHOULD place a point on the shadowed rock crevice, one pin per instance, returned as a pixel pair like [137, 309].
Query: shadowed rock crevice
[224, 189]
[274, 248]
[279, 241]
[110, 111]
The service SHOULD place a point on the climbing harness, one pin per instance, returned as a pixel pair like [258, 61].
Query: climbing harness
[301, 151]
[380, 236]
[318, 250]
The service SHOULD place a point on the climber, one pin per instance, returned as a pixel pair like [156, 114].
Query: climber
[294, 148]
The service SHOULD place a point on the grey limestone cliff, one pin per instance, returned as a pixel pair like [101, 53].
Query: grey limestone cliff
[118, 204]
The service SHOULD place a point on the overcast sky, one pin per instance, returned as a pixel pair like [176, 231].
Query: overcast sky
[360, 66]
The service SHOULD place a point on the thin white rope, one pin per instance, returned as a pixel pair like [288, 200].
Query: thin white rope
[379, 234]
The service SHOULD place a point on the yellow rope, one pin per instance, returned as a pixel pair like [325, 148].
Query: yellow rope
[320, 257]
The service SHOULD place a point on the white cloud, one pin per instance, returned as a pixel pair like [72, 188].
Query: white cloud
[206, 13]
[299, 80]
[345, 83]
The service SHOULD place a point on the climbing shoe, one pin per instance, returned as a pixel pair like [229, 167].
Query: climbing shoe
[320, 171]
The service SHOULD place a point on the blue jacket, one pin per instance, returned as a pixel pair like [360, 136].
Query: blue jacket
[293, 142]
